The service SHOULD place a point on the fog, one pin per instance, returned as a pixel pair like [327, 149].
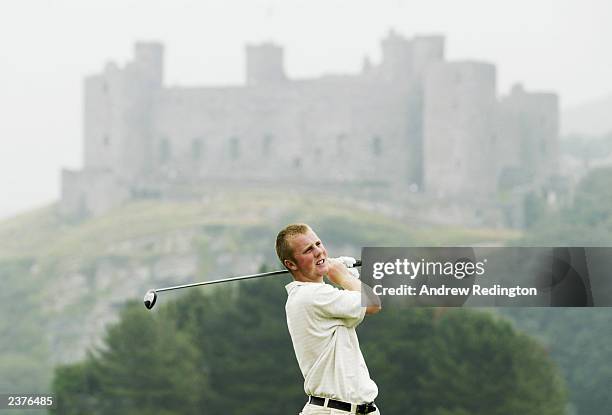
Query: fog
[48, 47]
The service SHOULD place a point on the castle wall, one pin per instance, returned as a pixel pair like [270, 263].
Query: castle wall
[459, 129]
[72, 202]
[334, 130]
[91, 192]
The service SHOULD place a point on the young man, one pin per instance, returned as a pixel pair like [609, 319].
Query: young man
[322, 321]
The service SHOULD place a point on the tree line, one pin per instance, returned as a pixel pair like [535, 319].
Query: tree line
[228, 350]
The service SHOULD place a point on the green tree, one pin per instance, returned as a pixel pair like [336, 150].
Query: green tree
[77, 388]
[578, 340]
[246, 348]
[482, 365]
[145, 366]
[434, 361]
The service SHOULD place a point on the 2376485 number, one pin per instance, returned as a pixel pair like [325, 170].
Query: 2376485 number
[26, 401]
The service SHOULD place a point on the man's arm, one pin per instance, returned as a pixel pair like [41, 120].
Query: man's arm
[340, 275]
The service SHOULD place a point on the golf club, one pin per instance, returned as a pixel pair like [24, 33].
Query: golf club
[151, 296]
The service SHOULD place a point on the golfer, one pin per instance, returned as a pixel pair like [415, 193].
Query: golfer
[322, 321]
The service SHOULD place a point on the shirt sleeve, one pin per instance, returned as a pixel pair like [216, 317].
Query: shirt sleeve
[330, 302]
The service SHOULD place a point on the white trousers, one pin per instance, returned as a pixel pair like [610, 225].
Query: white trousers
[310, 409]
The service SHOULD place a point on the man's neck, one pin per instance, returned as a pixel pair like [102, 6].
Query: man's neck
[302, 278]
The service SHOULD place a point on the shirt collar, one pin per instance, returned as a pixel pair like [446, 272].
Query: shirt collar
[292, 285]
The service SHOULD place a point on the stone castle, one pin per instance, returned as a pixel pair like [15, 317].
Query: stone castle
[415, 123]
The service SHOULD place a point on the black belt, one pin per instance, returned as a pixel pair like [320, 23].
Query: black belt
[364, 408]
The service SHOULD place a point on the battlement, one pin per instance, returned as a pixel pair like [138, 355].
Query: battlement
[264, 64]
[404, 59]
[426, 51]
[149, 61]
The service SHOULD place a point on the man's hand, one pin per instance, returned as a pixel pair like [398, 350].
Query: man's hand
[337, 269]
[348, 261]
[340, 275]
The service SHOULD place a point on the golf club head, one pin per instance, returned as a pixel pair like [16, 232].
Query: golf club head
[149, 299]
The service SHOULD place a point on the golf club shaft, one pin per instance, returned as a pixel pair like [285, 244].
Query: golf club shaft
[243, 277]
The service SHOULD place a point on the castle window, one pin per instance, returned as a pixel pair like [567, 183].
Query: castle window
[266, 147]
[376, 146]
[197, 149]
[165, 152]
[234, 148]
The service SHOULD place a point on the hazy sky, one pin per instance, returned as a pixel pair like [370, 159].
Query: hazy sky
[47, 47]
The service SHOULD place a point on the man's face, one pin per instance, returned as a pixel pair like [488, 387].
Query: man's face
[310, 257]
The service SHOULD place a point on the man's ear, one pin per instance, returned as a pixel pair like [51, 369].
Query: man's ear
[290, 265]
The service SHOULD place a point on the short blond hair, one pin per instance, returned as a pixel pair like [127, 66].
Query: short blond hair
[283, 247]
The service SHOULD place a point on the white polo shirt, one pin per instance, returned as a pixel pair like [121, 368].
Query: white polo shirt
[322, 321]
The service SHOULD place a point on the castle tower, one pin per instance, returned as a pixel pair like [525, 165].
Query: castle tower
[396, 62]
[149, 62]
[426, 51]
[118, 111]
[118, 106]
[459, 129]
[142, 81]
[408, 59]
[529, 123]
[101, 118]
[264, 64]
